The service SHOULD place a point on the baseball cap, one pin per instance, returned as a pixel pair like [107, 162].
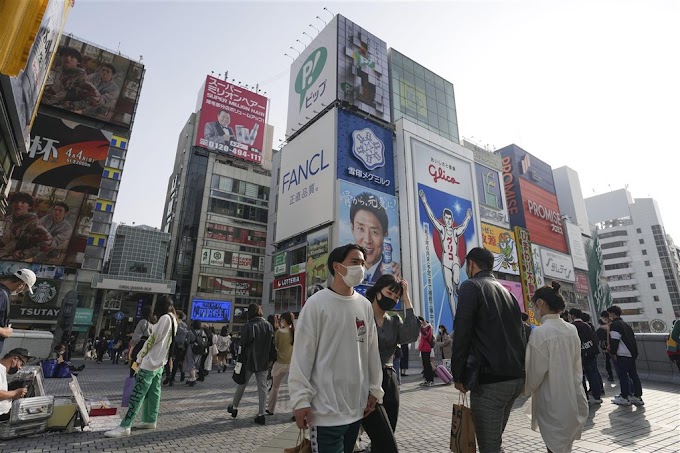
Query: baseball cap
[27, 276]
[22, 353]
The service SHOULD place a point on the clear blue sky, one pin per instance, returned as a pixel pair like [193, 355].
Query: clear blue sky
[589, 84]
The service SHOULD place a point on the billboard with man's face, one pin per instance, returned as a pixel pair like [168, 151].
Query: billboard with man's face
[94, 82]
[232, 120]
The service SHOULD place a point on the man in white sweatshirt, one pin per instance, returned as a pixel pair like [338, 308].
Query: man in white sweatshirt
[335, 373]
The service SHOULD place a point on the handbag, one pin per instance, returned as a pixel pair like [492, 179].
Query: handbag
[239, 375]
[302, 445]
[462, 428]
[127, 391]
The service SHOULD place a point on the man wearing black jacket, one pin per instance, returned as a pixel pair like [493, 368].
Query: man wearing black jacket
[623, 349]
[256, 339]
[488, 349]
[589, 352]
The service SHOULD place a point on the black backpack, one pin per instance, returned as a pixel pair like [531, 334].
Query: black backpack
[200, 344]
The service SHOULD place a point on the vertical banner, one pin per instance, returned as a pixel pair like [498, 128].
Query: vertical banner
[526, 266]
[317, 259]
[445, 227]
[538, 265]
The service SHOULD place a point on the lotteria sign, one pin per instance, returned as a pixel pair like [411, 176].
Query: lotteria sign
[290, 281]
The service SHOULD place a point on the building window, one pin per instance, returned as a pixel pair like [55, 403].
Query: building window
[656, 298]
[650, 275]
[642, 241]
[653, 285]
[659, 311]
[647, 263]
[639, 230]
[644, 252]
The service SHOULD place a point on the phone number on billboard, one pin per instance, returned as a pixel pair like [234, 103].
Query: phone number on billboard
[253, 156]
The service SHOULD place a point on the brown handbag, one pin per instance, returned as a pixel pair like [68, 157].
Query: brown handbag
[303, 445]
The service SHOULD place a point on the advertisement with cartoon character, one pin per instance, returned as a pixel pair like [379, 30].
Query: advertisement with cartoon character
[501, 243]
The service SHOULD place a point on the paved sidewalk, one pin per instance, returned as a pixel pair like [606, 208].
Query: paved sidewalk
[195, 419]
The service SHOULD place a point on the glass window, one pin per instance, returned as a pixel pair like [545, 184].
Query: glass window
[639, 230]
[650, 275]
[656, 298]
[653, 285]
[109, 184]
[644, 252]
[642, 241]
[108, 194]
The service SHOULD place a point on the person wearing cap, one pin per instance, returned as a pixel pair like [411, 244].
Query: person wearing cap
[14, 284]
[23, 237]
[12, 362]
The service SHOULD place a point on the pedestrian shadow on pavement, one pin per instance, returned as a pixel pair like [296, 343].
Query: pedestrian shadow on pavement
[628, 424]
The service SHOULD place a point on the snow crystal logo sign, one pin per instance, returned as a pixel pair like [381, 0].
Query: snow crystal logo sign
[368, 148]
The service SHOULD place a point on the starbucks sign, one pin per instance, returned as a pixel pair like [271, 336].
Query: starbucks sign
[44, 292]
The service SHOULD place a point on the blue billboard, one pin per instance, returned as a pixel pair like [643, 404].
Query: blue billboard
[210, 310]
[365, 154]
[528, 167]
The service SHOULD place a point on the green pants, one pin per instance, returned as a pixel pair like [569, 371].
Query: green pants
[146, 395]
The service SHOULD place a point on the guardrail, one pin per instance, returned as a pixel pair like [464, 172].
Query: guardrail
[653, 362]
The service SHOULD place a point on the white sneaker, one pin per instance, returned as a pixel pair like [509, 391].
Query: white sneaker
[621, 401]
[592, 400]
[118, 432]
[144, 425]
[635, 400]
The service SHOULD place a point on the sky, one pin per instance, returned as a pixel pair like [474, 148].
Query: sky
[593, 85]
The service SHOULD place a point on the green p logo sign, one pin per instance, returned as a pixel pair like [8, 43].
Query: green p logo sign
[309, 72]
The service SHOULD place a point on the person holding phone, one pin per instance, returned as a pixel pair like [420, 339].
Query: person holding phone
[11, 363]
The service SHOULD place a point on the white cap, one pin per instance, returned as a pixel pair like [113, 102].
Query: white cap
[27, 276]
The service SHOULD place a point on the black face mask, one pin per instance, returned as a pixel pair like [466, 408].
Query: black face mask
[386, 304]
[13, 370]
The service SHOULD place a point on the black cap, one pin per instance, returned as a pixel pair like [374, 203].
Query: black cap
[22, 353]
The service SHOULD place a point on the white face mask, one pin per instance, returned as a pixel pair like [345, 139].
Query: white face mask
[354, 276]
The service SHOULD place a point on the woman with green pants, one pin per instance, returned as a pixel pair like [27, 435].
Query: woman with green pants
[146, 393]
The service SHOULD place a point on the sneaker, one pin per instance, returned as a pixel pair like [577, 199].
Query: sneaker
[232, 411]
[621, 401]
[118, 432]
[260, 420]
[430, 384]
[171, 383]
[635, 400]
[423, 384]
[592, 400]
[181, 377]
[269, 413]
[144, 425]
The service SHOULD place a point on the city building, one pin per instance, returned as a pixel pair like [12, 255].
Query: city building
[638, 259]
[217, 205]
[570, 198]
[135, 277]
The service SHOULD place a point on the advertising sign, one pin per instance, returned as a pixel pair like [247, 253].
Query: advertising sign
[307, 179]
[515, 289]
[216, 258]
[576, 247]
[65, 155]
[513, 196]
[529, 168]
[317, 259]
[365, 154]
[542, 216]
[526, 265]
[371, 219]
[501, 243]
[233, 286]
[490, 196]
[34, 313]
[27, 86]
[445, 227]
[44, 293]
[210, 310]
[280, 263]
[93, 82]
[363, 79]
[582, 283]
[557, 265]
[538, 266]
[289, 281]
[41, 270]
[232, 120]
[599, 289]
[46, 225]
[313, 78]
[83, 316]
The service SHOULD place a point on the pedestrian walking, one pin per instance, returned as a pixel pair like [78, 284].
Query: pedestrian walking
[403, 362]
[488, 349]
[101, 350]
[180, 345]
[198, 343]
[223, 343]
[203, 366]
[335, 373]
[603, 338]
[146, 393]
[554, 373]
[392, 331]
[443, 343]
[140, 335]
[624, 351]
[117, 350]
[284, 337]
[589, 352]
[256, 339]
[425, 345]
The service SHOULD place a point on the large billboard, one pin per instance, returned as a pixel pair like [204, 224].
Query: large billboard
[313, 78]
[65, 155]
[363, 79]
[557, 265]
[307, 181]
[365, 153]
[576, 247]
[530, 168]
[490, 195]
[27, 86]
[317, 259]
[542, 217]
[93, 82]
[445, 226]
[515, 289]
[232, 120]
[501, 242]
[371, 219]
[46, 225]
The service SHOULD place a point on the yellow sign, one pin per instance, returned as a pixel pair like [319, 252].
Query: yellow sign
[493, 237]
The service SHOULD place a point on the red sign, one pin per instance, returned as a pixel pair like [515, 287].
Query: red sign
[542, 216]
[232, 120]
[289, 281]
[582, 283]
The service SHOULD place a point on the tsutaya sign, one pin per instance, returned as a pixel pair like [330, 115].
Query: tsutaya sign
[128, 285]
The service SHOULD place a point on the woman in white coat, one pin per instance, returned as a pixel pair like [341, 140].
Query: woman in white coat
[554, 374]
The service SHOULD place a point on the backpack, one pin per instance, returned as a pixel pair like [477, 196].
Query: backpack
[672, 349]
[182, 335]
[432, 339]
[200, 344]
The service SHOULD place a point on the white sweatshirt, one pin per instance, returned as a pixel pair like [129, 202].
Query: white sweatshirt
[335, 360]
[154, 353]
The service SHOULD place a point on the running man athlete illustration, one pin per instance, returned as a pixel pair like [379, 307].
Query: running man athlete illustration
[449, 236]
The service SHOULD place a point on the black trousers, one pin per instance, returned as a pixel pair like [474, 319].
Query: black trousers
[427, 366]
[608, 365]
[180, 355]
[381, 423]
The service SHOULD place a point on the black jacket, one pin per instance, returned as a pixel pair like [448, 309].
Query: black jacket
[489, 325]
[589, 349]
[256, 338]
[627, 336]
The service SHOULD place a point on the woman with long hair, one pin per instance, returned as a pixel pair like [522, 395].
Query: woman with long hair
[392, 332]
[554, 374]
[223, 343]
[283, 340]
[151, 359]
[443, 343]
[141, 334]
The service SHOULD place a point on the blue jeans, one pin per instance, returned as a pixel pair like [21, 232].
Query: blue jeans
[625, 368]
[593, 376]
